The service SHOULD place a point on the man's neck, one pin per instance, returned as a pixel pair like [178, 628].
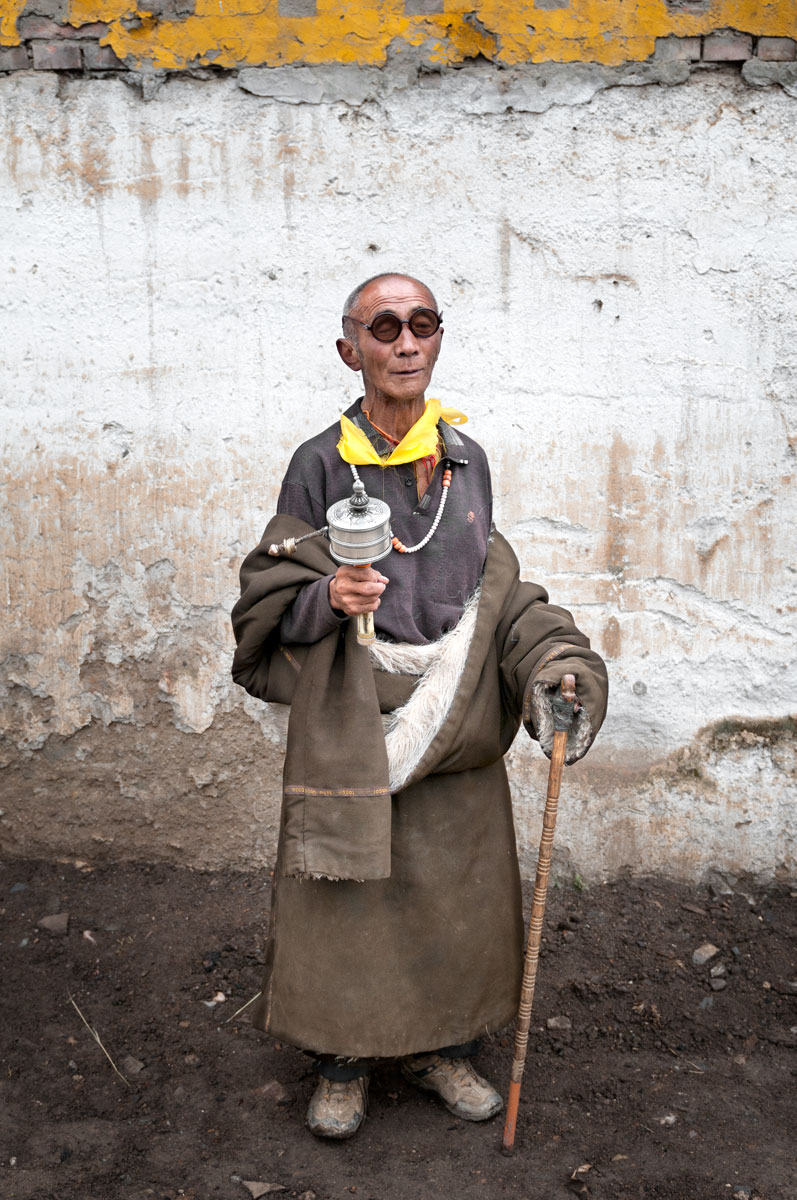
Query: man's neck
[395, 417]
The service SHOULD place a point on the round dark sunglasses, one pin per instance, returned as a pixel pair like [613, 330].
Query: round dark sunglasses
[386, 326]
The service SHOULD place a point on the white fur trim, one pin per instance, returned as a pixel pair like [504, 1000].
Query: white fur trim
[330, 878]
[404, 658]
[579, 737]
[411, 729]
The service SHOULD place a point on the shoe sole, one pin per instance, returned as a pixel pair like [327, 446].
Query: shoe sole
[334, 1135]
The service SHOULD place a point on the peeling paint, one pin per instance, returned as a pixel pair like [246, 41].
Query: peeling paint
[176, 34]
[699, 810]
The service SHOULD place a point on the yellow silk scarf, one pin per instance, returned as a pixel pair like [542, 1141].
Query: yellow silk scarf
[419, 442]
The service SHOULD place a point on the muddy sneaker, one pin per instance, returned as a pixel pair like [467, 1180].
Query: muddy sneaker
[337, 1110]
[464, 1093]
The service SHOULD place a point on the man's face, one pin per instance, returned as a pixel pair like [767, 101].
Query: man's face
[397, 371]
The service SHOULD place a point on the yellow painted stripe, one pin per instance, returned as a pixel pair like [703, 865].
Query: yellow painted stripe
[236, 33]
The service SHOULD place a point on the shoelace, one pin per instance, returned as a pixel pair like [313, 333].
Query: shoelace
[462, 1073]
[338, 1089]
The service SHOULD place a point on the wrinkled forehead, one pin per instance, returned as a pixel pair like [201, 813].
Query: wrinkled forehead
[398, 293]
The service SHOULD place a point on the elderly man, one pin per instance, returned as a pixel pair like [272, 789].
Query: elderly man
[396, 925]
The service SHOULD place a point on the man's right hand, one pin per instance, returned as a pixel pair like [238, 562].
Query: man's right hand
[354, 590]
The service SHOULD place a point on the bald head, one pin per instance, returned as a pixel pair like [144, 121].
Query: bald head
[353, 299]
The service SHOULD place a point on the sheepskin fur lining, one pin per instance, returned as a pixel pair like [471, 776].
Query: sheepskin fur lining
[580, 735]
[411, 729]
[318, 875]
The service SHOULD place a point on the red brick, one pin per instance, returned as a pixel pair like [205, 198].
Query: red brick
[13, 58]
[675, 49]
[727, 47]
[100, 58]
[56, 56]
[772, 49]
[43, 27]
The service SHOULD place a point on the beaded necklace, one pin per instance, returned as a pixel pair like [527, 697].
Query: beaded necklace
[397, 543]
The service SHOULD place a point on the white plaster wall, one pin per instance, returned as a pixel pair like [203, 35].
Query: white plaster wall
[618, 281]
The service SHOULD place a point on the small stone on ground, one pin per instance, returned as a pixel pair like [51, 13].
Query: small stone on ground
[56, 923]
[703, 953]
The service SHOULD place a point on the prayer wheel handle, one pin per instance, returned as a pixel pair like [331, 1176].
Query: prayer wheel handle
[366, 633]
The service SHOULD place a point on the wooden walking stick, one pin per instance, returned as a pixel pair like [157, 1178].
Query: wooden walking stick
[563, 712]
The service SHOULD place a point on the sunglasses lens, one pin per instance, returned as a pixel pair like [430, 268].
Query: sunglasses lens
[424, 322]
[386, 327]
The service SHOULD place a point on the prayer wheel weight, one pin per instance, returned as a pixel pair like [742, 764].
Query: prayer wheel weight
[359, 535]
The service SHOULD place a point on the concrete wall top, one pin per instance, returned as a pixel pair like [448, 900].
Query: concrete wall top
[176, 34]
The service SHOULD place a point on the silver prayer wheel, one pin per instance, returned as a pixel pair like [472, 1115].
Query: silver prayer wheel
[359, 534]
[359, 529]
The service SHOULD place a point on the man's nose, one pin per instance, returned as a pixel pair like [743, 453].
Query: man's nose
[406, 343]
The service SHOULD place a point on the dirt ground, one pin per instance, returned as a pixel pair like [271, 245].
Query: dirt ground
[670, 1083]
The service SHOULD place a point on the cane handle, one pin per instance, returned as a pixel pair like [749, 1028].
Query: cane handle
[568, 688]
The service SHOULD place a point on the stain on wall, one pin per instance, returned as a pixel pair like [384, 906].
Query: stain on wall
[617, 278]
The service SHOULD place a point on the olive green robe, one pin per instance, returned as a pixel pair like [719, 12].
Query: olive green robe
[416, 942]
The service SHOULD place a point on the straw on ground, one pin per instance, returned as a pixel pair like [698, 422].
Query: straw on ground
[96, 1037]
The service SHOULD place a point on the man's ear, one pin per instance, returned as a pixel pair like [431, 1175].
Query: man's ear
[348, 353]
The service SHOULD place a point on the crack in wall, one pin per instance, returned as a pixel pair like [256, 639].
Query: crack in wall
[718, 606]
